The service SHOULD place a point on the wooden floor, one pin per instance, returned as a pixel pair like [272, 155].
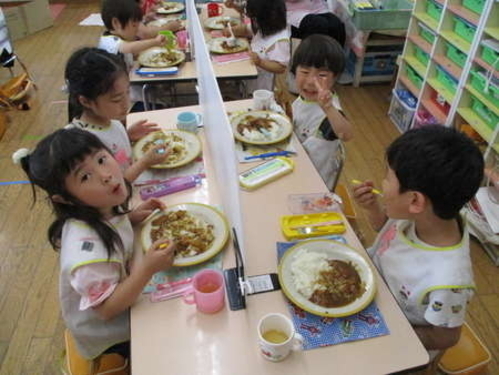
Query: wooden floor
[30, 324]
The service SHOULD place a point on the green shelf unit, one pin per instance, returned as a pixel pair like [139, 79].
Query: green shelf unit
[426, 18]
[455, 39]
[415, 64]
[493, 32]
[441, 89]
[478, 124]
[483, 99]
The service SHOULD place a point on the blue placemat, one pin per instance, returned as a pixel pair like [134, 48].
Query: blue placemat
[318, 331]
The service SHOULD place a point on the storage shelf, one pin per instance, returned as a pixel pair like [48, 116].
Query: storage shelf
[465, 13]
[441, 89]
[434, 110]
[478, 124]
[455, 39]
[410, 86]
[420, 42]
[486, 66]
[493, 32]
[449, 66]
[430, 22]
[415, 64]
[483, 99]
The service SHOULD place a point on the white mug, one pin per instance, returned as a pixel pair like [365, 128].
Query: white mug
[277, 337]
[262, 100]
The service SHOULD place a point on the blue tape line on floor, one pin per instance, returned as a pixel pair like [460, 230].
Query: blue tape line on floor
[14, 182]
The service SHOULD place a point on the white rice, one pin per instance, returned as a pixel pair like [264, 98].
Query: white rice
[256, 135]
[306, 269]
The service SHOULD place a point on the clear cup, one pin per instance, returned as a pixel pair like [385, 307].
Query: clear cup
[262, 100]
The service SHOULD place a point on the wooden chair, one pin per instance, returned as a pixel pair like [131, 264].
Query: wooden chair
[74, 364]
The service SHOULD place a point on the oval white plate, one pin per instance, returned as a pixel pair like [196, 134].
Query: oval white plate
[190, 140]
[215, 23]
[163, 21]
[334, 250]
[175, 7]
[285, 127]
[215, 45]
[145, 58]
[204, 212]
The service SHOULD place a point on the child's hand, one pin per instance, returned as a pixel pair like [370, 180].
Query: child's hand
[140, 129]
[255, 59]
[156, 155]
[159, 257]
[324, 95]
[143, 210]
[160, 40]
[364, 196]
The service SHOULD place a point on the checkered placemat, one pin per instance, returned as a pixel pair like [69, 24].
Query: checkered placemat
[318, 331]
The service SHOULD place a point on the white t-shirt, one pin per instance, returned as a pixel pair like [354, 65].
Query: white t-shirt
[114, 137]
[84, 253]
[111, 43]
[275, 48]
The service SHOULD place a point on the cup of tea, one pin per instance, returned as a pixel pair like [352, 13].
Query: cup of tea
[207, 292]
[189, 121]
[262, 100]
[277, 337]
[214, 9]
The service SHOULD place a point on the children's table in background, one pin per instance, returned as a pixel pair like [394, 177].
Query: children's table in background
[171, 337]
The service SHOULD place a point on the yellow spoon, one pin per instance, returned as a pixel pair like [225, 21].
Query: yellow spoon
[375, 191]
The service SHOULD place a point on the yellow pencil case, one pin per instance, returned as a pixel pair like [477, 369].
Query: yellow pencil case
[296, 227]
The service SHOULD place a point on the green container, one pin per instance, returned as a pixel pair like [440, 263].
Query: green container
[397, 17]
[414, 77]
[455, 55]
[447, 80]
[464, 29]
[474, 5]
[421, 56]
[426, 33]
[434, 10]
[479, 83]
[484, 113]
[490, 52]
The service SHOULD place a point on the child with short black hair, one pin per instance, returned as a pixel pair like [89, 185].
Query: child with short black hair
[98, 87]
[94, 235]
[122, 19]
[422, 249]
[318, 119]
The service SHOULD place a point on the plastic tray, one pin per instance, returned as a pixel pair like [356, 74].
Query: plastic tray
[421, 56]
[479, 82]
[446, 79]
[385, 19]
[295, 226]
[414, 77]
[434, 10]
[455, 55]
[490, 52]
[474, 5]
[464, 29]
[426, 33]
[484, 113]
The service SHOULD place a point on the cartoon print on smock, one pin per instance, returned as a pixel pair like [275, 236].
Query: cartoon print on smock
[386, 238]
[437, 306]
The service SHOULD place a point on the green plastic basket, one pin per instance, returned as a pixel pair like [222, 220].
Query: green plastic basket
[479, 83]
[421, 56]
[397, 17]
[484, 113]
[414, 77]
[426, 33]
[434, 10]
[474, 5]
[490, 55]
[464, 29]
[447, 80]
[455, 55]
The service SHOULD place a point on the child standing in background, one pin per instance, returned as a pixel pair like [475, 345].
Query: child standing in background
[93, 232]
[422, 249]
[270, 50]
[318, 120]
[98, 89]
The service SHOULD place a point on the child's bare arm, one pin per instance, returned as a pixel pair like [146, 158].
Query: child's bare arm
[364, 196]
[268, 65]
[438, 338]
[138, 46]
[127, 292]
[151, 158]
[341, 126]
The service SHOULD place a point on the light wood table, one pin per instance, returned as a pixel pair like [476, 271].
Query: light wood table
[171, 337]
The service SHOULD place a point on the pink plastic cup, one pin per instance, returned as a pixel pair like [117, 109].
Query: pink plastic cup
[207, 291]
